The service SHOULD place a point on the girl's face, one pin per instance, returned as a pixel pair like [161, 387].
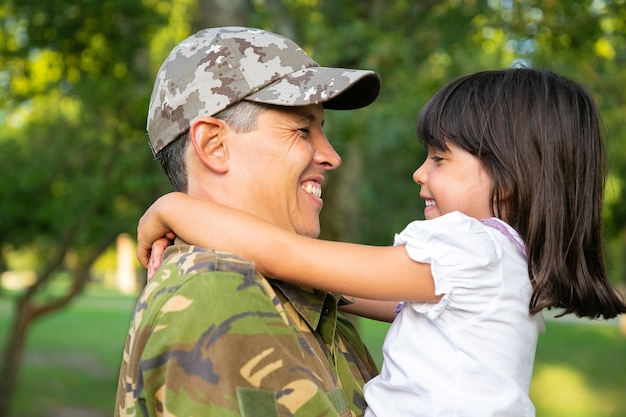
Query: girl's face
[454, 180]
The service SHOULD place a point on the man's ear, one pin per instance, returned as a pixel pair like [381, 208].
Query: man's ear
[208, 137]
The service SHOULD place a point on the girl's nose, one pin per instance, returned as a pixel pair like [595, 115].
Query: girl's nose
[419, 176]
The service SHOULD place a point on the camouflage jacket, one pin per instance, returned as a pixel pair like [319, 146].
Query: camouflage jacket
[211, 337]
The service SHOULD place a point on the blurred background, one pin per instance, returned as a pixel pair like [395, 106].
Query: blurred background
[77, 172]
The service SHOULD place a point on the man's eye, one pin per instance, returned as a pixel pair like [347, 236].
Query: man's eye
[305, 131]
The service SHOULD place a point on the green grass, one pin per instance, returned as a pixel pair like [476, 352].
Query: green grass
[580, 371]
[72, 360]
[72, 357]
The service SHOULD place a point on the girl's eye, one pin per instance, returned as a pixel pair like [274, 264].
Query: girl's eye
[436, 158]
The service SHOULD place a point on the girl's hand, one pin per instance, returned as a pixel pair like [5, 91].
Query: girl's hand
[153, 236]
[156, 254]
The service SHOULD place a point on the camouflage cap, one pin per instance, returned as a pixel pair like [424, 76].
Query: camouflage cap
[218, 67]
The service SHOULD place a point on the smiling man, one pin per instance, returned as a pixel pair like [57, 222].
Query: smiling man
[236, 116]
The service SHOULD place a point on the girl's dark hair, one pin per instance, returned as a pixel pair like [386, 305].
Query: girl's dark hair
[539, 137]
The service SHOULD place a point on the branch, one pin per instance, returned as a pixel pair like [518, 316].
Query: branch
[55, 263]
[80, 277]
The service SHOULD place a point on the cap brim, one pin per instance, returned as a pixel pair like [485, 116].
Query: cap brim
[334, 88]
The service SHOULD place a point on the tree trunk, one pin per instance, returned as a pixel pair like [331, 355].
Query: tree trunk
[212, 13]
[125, 274]
[341, 215]
[12, 356]
[26, 311]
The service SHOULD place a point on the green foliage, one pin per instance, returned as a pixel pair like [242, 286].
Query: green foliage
[75, 79]
[74, 115]
[79, 76]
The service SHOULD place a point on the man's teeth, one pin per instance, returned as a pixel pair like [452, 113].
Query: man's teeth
[316, 190]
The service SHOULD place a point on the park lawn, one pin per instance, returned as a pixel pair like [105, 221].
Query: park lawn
[72, 357]
[72, 360]
[580, 371]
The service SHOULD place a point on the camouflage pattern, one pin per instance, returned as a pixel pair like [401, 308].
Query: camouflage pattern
[218, 67]
[211, 337]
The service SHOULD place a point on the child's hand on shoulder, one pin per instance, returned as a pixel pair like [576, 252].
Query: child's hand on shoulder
[154, 235]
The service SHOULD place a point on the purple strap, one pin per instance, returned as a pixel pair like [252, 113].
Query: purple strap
[497, 224]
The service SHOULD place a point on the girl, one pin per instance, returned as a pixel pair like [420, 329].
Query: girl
[513, 185]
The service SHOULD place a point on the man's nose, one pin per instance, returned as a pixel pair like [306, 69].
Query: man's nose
[325, 154]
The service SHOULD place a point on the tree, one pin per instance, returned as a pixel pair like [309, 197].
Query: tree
[76, 77]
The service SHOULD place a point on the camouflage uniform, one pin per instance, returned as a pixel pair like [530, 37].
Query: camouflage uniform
[212, 337]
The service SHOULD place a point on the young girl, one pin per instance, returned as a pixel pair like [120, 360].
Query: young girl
[513, 185]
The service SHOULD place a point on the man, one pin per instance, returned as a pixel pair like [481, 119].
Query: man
[236, 117]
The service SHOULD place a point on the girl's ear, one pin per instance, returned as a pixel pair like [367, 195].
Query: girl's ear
[208, 137]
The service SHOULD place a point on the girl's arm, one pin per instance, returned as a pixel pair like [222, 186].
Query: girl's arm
[372, 309]
[372, 272]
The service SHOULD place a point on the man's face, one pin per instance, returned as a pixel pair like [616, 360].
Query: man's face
[280, 167]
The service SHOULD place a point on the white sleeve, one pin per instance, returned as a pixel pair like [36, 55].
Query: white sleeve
[465, 262]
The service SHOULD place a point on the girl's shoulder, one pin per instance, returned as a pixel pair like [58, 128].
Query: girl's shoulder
[454, 236]
[451, 224]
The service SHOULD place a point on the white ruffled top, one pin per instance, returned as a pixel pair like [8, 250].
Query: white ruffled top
[472, 353]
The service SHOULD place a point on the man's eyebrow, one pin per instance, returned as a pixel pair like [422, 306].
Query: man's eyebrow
[307, 115]
[304, 113]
